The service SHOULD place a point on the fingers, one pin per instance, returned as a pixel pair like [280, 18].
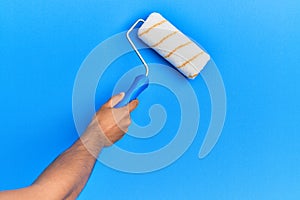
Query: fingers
[117, 98]
[114, 100]
[132, 105]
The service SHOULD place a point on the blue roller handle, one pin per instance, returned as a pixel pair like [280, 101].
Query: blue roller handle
[139, 84]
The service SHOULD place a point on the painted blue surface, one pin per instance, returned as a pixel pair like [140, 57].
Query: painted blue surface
[255, 45]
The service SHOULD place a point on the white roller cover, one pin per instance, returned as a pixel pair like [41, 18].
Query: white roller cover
[173, 45]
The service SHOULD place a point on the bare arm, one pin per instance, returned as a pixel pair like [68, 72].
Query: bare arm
[67, 175]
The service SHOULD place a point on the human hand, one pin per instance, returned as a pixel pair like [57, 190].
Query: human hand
[113, 122]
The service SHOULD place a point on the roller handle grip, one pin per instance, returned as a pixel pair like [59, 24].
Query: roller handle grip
[139, 84]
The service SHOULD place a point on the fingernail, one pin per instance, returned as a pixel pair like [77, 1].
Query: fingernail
[122, 94]
[136, 102]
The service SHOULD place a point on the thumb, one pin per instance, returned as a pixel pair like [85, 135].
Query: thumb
[115, 100]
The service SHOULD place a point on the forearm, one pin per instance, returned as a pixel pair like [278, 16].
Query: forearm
[68, 174]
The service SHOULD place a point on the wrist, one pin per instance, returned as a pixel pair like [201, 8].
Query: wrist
[93, 139]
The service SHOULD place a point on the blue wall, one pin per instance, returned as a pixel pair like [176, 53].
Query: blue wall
[255, 45]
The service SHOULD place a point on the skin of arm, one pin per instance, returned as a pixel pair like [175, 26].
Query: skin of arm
[67, 175]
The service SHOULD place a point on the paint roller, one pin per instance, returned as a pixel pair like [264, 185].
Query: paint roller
[159, 34]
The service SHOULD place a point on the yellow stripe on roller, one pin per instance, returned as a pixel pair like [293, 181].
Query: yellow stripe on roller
[193, 76]
[164, 38]
[191, 59]
[152, 27]
[179, 47]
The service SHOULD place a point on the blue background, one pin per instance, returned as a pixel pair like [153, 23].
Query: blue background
[255, 45]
